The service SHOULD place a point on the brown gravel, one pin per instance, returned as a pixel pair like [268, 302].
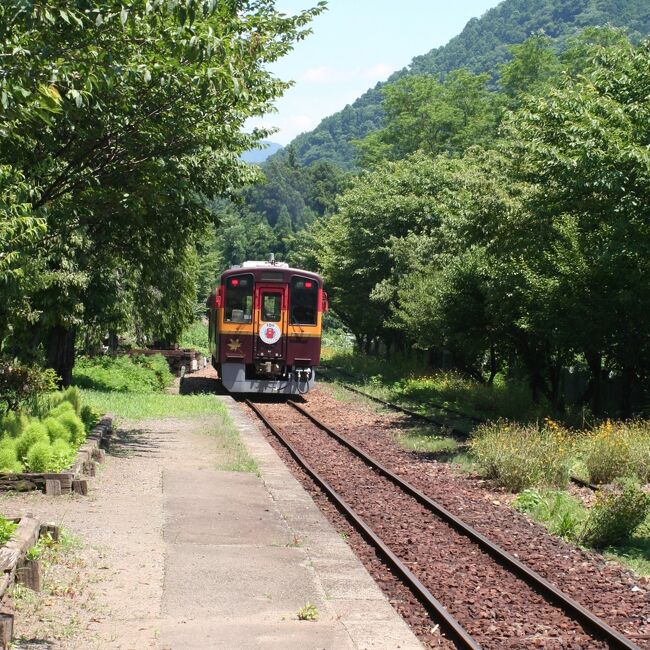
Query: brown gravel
[605, 588]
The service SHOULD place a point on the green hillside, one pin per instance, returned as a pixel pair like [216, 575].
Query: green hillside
[480, 47]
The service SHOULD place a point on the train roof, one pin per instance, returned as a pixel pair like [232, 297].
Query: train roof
[256, 268]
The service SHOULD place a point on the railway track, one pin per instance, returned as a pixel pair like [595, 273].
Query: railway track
[481, 595]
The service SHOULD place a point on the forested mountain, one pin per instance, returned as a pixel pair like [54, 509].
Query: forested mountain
[480, 47]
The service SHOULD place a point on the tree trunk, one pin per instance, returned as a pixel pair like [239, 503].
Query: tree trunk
[595, 363]
[60, 353]
[627, 381]
[494, 367]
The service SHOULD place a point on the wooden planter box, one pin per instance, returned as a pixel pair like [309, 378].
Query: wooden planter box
[14, 566]
[88, 455]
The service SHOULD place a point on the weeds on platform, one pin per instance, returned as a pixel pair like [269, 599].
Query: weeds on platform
[308, 613]
[46, 614]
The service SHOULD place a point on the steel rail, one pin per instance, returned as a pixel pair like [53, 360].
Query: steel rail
[461, 637]
[457, 432]
[528, 575]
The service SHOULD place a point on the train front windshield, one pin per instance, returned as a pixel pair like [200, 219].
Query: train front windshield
[238, 307]
[304, 301]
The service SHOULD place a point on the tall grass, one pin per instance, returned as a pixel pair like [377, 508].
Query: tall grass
[522, 456]
[409, 381]
[144, 406]
[618, 449]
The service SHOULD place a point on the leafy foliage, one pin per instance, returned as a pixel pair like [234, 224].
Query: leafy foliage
[118, 122]
[20, 385]
[134, 373]
[7, 529]
[618, 511]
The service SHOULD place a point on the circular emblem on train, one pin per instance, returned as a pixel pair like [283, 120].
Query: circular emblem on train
[270, 333]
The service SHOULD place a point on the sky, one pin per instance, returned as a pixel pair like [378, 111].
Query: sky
[355, 44]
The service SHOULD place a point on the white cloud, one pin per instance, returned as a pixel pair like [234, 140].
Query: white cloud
[378, 72]
[299, 123]
[325, 74]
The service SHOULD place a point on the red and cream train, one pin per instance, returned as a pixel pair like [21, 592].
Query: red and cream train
[265, 328]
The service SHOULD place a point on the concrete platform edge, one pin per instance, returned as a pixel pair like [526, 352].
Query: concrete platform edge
[353, 596]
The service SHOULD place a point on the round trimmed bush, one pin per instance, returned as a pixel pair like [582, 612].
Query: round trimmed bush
[39, 457]
[63, 407]
[74, 425]
[73, 396]
[14, 424]
[8, 460]
[7, 443]
[35, 432]
[62, 455]
[56, 430]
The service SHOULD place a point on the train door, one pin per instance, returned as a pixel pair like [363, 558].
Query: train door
[271, 322]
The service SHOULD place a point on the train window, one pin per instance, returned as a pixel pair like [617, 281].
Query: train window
[304, 301]
[238, 307]
[271, 307]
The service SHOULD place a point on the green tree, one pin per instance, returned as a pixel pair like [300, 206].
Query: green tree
[584, 147]
[117, 119]
[423, 114]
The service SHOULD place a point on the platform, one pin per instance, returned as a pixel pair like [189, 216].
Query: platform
[266, 551]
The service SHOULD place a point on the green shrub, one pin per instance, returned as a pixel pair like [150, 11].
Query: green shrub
[618, 511]
[8, 460]
[618, 449]
[63, 455]
[136, 374]
[75, 426]
[20, 385]
[61, 408]
[35, 432]
[196, 338]
[521, 456]
[7, 529]
[39, 457]
[56, 429]
[89, 416]
[14, 424]
[73, 396]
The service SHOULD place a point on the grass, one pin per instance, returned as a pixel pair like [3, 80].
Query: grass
[123, 374]
[148, 406]
[408, 382]
[152, 406]
[196, 337]
[565, 516]
[425, 439]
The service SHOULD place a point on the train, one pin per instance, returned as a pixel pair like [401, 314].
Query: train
[265, 324]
